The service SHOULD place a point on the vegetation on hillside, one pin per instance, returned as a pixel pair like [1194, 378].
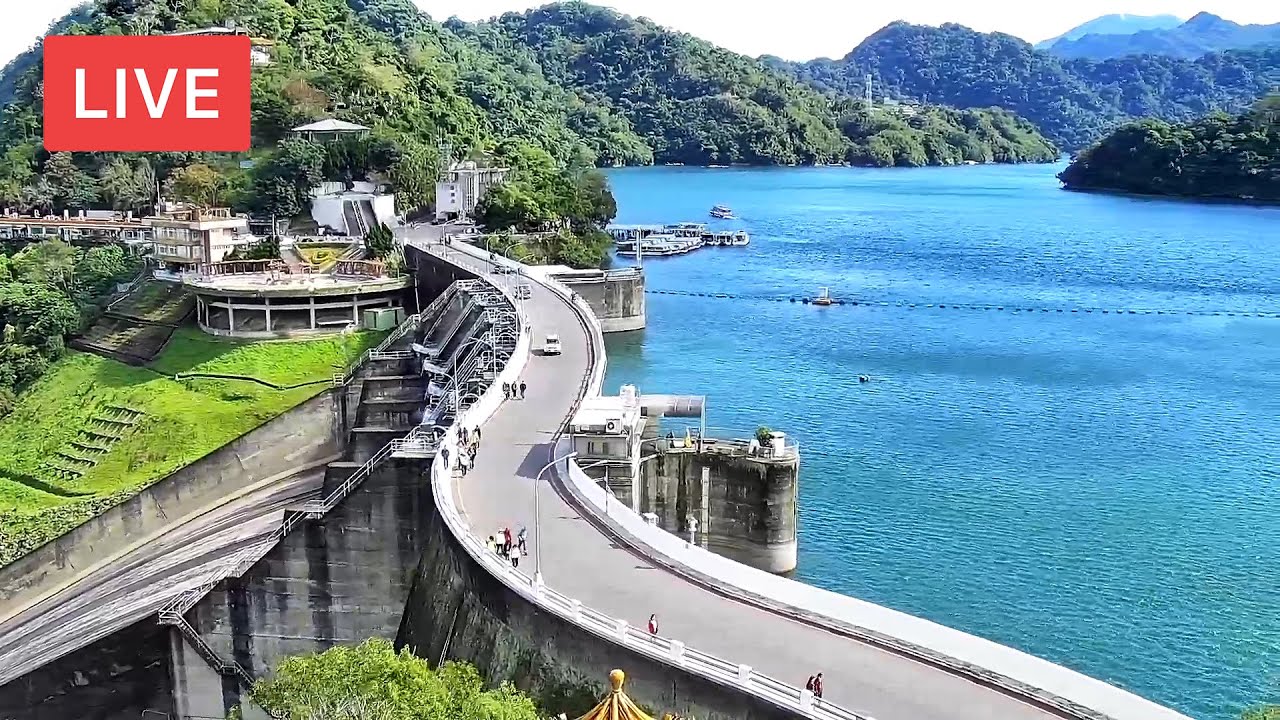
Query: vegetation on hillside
[1214, 157]
[1073, 102]
[182, 420]
[49, 290]
[371, 681]
[695, 103]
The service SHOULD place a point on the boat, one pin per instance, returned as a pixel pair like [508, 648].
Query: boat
[824, 297]
[661, 245]
[722, 212]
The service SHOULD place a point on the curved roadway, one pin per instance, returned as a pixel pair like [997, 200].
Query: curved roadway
[582, 563]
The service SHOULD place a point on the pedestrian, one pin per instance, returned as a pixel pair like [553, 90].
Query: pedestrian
[492, 546]
[522, 388]
[444, 453]
[807, 686]
[522, 540]
[462, 436]
[506, 390]
[515, 559]
[817, 686]
[464, 464]
[471, 452]
[653, 624]
[506, 534]
[476, 433]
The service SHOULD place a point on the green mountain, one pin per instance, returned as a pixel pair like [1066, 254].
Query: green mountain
[1202, 34]
[1116, 24]
[583, 85]
[1217, 157]
[1073, 102]
[696, 103]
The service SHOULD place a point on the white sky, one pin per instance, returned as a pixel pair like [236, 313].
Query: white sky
[795, 29]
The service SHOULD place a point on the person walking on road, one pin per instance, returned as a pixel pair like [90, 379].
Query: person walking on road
[653, 624]
[522, 538]
[506, 390]
[522, 388]
[476, 435]
[464, 463]
[817, 686]
[515, 558]
[506, 536]
[444, 452]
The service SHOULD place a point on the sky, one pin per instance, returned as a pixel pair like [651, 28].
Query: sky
[795, 29]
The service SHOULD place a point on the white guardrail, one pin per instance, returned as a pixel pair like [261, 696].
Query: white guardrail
[663, 649]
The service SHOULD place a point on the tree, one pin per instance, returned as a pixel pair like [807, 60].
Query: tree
[49, 262]
[283, 184]
[121, 186]
[72, 187]
[371, 681]
[380, 241]
[198, 183]
[1265, 712]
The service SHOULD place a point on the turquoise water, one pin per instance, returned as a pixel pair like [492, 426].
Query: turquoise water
[1100, 490]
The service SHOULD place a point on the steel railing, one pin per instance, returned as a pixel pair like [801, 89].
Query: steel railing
[668, 650]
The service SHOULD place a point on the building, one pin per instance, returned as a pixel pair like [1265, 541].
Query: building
[461, 187]
[88, 226]
[259, 48]
[329, 130]
[185, 239]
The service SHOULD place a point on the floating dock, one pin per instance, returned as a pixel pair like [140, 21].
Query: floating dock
[673, 239]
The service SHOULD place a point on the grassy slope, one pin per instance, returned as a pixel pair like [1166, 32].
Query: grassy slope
[184, 421]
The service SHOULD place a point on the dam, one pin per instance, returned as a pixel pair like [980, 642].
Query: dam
[357, 523]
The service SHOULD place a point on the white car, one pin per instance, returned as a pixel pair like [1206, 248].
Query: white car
[551, 346]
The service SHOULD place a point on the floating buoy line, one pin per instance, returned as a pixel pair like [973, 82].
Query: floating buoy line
[828, 301]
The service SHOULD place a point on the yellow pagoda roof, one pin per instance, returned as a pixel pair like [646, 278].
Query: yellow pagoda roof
[616, 705]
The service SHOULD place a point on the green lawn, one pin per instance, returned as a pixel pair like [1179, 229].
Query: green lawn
[182, 421]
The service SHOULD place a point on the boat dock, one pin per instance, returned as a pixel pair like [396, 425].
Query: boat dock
[673, 239]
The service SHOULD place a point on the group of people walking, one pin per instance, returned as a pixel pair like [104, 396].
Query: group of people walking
[468, 446]
[513, 391]
[815, 685]
[505, 545]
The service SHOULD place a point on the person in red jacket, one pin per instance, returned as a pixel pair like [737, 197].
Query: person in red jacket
[653, 624]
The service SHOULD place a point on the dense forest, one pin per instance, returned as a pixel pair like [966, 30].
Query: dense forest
[695, 103]
[1073, 102]
[1216, 157]
[584, 84]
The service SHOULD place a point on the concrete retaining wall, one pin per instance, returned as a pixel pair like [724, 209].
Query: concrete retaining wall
[459, 611]
[116, 678]
[617, 300]
[307, 433]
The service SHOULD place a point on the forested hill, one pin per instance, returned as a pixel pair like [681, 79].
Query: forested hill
[1217, 157]
[697, 103]
[1073, 102]
[584, 84]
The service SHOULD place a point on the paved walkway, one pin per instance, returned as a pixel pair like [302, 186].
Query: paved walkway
[576, 557]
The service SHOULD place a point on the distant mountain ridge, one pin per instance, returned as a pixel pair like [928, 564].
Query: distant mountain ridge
[1073, 102]
[1116, 24]
[1202, 34]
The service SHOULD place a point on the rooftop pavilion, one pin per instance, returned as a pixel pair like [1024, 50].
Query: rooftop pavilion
[329, 130]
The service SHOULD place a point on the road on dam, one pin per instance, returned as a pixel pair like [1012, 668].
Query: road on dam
[582, 563]
[122, 590]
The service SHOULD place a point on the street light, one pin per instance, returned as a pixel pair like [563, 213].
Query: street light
[537, 516]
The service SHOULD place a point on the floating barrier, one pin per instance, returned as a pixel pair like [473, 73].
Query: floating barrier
[906, 304]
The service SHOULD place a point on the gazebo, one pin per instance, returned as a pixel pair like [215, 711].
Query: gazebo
[328, 130]
[616, 705]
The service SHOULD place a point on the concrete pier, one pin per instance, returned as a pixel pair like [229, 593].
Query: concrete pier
[738, 503]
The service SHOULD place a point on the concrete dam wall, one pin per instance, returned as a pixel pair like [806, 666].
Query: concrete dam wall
[457, 610]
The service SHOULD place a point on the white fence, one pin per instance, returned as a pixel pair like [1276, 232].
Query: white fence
[666, 650]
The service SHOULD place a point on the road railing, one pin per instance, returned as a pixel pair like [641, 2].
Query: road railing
[670, 651]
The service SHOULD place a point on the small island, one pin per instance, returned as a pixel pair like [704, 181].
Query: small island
[1215, 158]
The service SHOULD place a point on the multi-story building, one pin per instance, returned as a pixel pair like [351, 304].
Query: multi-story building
[91, 226]
[462, 186]
[185, 239]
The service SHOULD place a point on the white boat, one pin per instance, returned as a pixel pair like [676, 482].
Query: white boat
[662, 245]
[824, 297]
[722, 212]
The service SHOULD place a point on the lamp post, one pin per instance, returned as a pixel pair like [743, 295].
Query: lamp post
[537, 515]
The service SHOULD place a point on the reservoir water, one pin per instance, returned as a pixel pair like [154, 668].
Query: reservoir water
[1101, 490]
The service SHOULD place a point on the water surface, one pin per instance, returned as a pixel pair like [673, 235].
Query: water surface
[1100, 490]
